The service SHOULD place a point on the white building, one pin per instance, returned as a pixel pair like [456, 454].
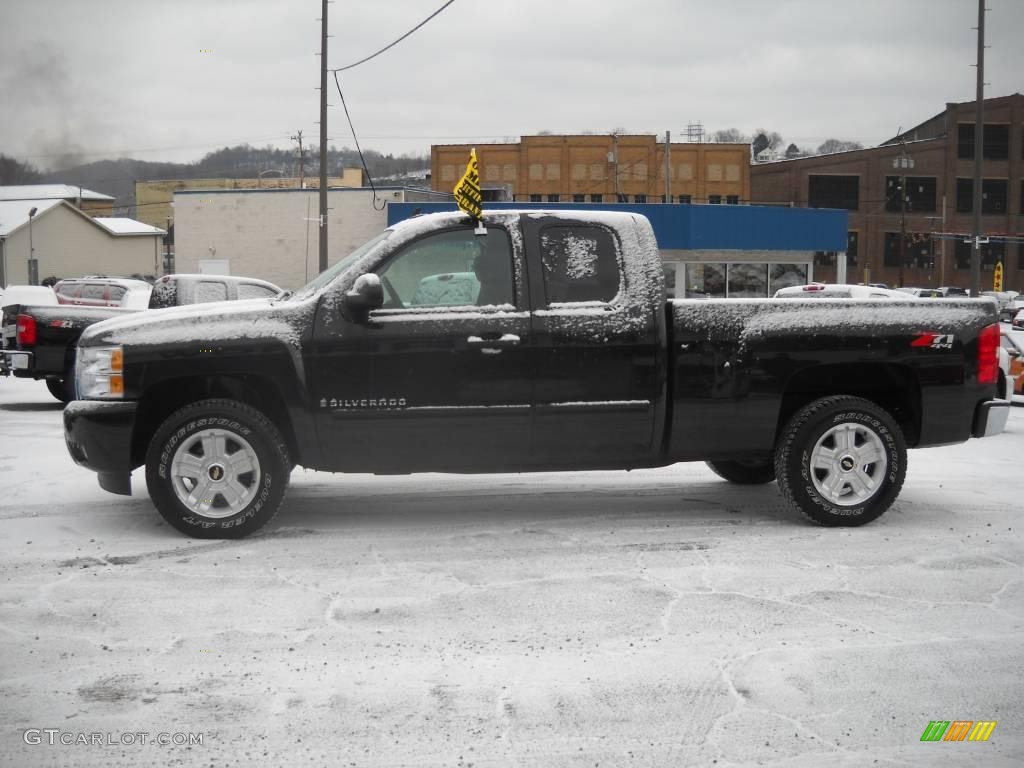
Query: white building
[68, 243]
[273, 234]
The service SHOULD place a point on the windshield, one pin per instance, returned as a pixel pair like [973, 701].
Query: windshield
[330, 273]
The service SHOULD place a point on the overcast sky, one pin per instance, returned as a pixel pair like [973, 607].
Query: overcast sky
[173, 79]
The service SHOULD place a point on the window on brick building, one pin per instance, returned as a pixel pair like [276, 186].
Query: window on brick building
[732, 199]
[640, 198]
[991, 252]
[918, 250]
[833, 192]
[579, 198]
[597, 198]
[535, 198]
[714, 199]
[995, 141]
[685, 199]
[553, 198]
[993, 195]
[920, 193]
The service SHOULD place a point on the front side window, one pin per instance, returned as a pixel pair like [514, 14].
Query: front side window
[580, 264]
[450, 269]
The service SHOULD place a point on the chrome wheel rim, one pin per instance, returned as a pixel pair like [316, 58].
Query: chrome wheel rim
[848, 464]
[215, 473]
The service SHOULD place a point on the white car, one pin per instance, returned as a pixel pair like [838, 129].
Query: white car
[1011, 363]
[840, 291]
[35, 295]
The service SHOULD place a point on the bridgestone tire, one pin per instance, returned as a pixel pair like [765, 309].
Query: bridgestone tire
[744, 472]
[217, 469]
[841, 461]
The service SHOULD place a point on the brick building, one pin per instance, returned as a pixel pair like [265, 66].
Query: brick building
[599, 169]
[936, 158]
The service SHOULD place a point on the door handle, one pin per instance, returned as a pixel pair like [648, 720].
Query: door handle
[493, 345]
[505, 340]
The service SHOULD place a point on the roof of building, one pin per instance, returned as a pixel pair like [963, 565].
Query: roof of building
[14, 213]
[14, 216]
[882, 148]
[124, 226]
[50, 192]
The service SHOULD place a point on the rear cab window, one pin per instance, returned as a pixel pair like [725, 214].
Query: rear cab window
[580, 264]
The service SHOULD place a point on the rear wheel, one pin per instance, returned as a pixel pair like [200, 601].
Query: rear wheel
[841, 461]
[217, 469]
[744, 472]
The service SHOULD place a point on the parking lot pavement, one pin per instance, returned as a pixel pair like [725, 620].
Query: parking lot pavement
[649, 618]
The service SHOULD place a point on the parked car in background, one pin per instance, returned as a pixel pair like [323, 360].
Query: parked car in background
[39, 337]
[839, 291]
[103, 292]
[1005, 301]
[1018, 322]
[922, 293]
[27, 294]
[1012, 343]
[178, 290]
[953, 291]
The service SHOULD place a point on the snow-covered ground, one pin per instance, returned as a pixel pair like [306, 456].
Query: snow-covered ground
[650, 618]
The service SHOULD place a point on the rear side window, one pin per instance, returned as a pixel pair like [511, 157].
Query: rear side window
[208, 290]
[117, 292]
[580, 264]
[250, 291]
[94, 291]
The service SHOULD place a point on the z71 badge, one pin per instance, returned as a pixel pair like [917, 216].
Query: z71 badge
[934, 340]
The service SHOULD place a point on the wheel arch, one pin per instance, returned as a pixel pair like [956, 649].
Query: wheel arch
[169, 395]
[896, 388]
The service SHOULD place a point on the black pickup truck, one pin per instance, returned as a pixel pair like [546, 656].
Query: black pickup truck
[39, 340]
[546, 343]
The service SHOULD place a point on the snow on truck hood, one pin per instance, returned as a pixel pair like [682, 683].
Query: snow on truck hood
[216, 321]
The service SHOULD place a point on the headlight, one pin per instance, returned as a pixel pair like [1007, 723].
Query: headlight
[100, 373]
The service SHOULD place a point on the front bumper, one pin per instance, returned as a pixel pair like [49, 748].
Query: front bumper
[11, 361]
[99, 437]
[990, 418]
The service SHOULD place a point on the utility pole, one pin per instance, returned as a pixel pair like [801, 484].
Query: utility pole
[668, 166]
[302, 160]
[979, 130]
[323, 137]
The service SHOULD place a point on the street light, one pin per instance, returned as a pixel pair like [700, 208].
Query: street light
[903, 162]
[33, 265]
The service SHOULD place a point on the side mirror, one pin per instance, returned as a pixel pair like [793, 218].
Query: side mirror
[1013, 353]
[367, 294]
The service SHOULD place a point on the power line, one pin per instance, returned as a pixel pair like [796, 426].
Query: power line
[356, 138]
[396, 42]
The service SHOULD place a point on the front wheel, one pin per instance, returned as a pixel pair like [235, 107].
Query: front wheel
[841, 461]
[217, 469]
